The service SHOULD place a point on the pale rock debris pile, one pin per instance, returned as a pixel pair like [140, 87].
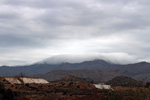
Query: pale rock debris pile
[25, 80]
[12, 80]
[34, 80]
[103, 86]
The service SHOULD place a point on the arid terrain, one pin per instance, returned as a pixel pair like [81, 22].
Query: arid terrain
[70, 90]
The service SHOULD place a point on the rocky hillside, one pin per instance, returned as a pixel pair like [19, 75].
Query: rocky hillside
[123, 81]
[70, 78]
[95, 75]
[70, 91]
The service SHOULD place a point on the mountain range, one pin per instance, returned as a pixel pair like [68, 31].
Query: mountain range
[138, 71]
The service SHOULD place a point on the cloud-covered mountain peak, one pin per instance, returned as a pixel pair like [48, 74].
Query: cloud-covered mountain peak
[115, 58]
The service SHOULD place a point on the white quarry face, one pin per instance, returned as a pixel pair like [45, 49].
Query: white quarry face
[34, 80]
[100, 86]
[12, 80]
[19, 80]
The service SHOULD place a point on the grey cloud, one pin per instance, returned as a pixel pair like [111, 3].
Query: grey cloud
[43, 4]
[7, 16]
[11, 40]
[63, 26]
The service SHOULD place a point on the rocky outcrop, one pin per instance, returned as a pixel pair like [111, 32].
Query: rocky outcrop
[103, 86]
[24, 80]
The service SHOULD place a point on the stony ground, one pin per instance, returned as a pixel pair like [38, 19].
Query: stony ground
[75, 91]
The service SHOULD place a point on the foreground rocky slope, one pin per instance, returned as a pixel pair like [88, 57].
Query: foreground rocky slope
[70, 91]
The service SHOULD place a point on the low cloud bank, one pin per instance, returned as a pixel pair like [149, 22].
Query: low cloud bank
[116, 58]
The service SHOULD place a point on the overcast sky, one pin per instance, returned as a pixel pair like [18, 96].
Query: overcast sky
[32, 30]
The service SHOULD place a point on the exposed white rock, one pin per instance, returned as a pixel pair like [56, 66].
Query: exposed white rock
[103, 86]
[34, 80]
[19, 80]
[12, 80]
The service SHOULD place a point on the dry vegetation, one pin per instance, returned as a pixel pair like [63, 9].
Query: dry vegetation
[70, 91]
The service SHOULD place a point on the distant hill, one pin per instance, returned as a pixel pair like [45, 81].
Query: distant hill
[70, 78]
[123, 81]
[137, 71]
[95, 75]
